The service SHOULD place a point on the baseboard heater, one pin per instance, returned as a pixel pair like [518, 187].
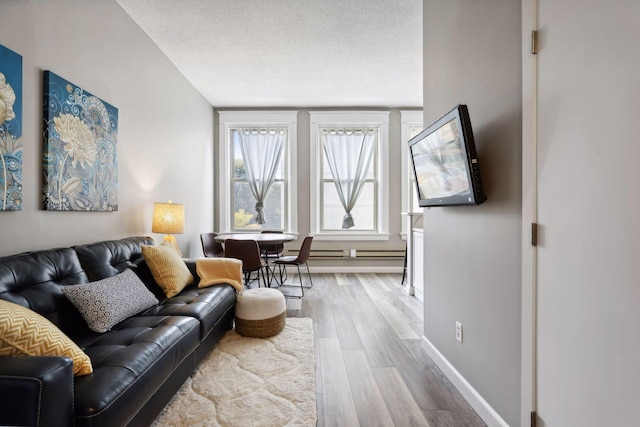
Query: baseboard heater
[347, 253]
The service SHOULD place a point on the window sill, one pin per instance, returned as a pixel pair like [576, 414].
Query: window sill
[351, 236]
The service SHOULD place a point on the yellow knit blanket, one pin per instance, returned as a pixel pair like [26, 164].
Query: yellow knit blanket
[215, 271]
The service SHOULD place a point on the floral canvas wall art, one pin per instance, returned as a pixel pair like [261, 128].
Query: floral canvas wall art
[10, 130]
[79, 161]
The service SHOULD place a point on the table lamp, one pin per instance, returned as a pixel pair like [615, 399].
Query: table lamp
[168, 218]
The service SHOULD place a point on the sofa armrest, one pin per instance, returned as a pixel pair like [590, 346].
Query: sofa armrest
[36, 390]
[191, 265]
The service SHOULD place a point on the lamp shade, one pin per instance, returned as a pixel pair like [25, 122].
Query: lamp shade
[168, 218]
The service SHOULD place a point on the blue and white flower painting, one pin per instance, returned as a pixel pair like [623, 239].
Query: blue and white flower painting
[79, 160]
[10, 130]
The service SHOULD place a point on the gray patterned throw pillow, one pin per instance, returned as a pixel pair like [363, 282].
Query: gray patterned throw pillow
[109, 301]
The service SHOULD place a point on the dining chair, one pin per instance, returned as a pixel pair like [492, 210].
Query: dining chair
[273, 252]
[300, 260]
[211, 248]
[248, 252]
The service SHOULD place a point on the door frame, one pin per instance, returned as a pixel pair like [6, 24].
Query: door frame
[529, 309]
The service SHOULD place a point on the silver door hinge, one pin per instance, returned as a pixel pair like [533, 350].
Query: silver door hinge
[534, 42]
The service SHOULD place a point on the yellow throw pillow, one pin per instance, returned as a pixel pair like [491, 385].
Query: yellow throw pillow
[23, 332]
[168, 269]
[215, 271]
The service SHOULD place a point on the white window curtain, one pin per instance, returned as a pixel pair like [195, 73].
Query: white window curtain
[261, 151]
[349, 153]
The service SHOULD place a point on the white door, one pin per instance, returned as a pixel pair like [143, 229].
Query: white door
[588, 180]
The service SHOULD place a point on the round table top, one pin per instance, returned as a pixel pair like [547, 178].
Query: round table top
[261, 238]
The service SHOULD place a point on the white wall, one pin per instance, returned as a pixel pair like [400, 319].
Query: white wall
[303, 201]
[589, 213]
[472, 262]
[165, 136]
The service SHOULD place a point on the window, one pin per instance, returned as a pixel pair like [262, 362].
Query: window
[411, 125]
[349, 175]
[257, 177]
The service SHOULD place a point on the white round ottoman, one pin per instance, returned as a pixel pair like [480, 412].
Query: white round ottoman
[260, 313]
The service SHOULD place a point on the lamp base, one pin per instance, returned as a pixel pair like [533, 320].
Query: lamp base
[171, 239]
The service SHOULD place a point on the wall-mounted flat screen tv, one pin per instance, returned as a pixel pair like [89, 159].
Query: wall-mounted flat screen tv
[445, 164]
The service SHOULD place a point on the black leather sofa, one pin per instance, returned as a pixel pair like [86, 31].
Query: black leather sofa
[137, 366]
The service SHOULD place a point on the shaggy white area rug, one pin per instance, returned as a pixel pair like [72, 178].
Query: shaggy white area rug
[251, 382]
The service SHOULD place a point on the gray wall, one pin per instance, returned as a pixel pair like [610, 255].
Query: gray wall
[165, 137]
[472, 264]
[588, 269]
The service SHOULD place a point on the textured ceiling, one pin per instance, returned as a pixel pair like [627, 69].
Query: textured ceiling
[291, 53]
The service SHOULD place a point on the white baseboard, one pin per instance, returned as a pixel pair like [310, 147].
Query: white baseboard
[481, 406]
[345, 269]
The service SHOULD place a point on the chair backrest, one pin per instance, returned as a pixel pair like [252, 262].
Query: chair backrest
[305, 249]
[275, 249]
[211, 248]
[247, 251]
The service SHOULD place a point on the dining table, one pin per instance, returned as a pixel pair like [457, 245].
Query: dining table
[261, 238]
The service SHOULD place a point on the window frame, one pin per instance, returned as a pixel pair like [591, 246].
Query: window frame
[408, 119]
[230, 120]
[341, 119]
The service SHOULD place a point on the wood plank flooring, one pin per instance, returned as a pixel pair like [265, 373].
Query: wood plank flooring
[370, 367]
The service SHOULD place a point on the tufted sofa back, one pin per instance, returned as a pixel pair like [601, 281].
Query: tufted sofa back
[108, 258]
[34, 279]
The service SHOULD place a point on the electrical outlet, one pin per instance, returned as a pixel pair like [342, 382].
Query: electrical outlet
[352, 253]
[459, 331]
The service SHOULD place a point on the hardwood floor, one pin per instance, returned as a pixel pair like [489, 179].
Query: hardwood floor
[370, 367]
